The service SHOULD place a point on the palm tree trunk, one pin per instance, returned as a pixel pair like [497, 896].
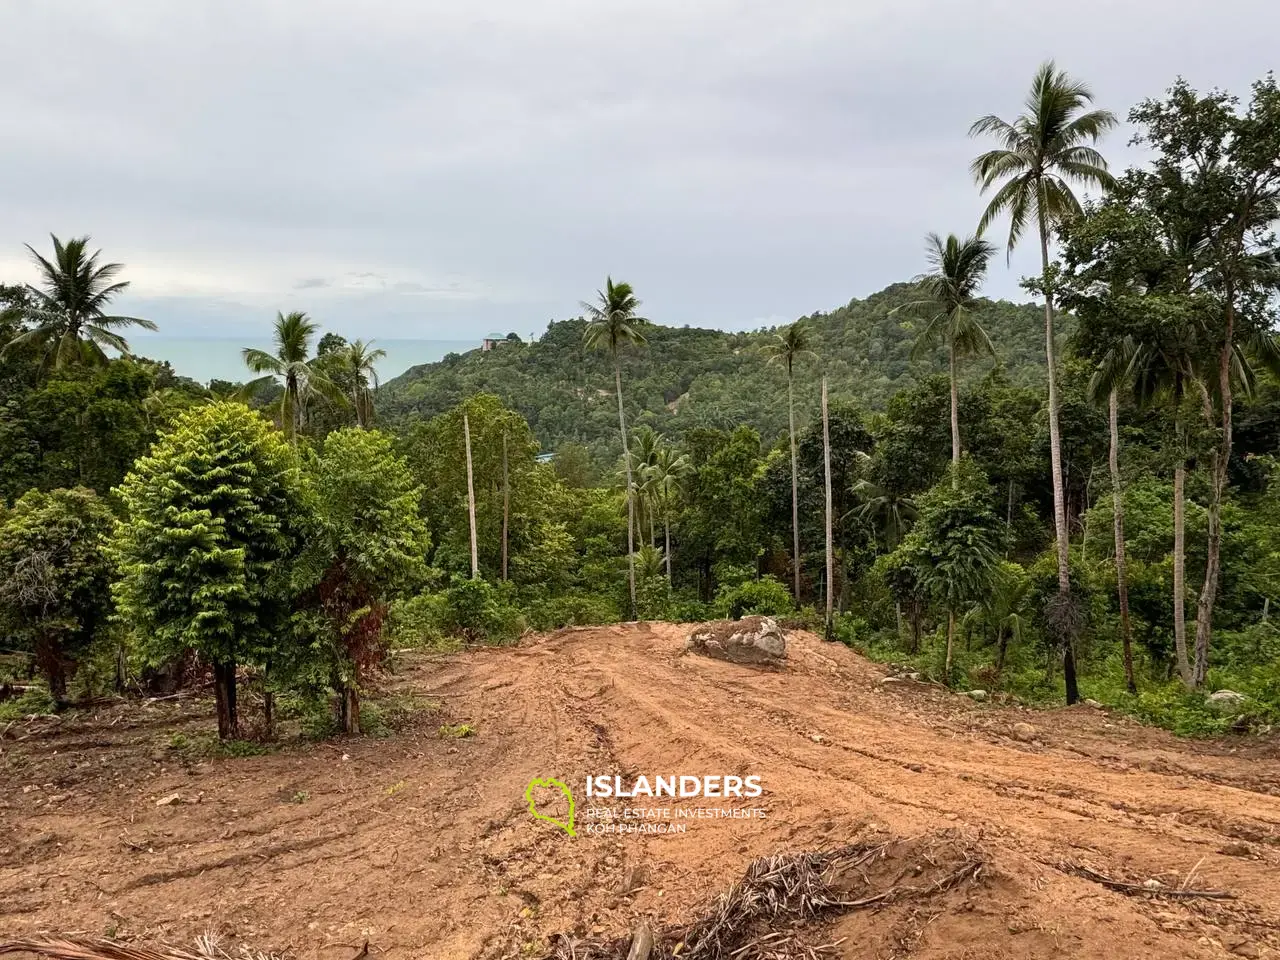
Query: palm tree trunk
[1219, 464]
[506, 504]
[1055, 436]
[795, 484]
[471, 498]
[666, 529]
[1117, 505]
[1055, 466]
[955, 415]
[1179, 569]
[951, 635]
[826, 468]
[631, 510]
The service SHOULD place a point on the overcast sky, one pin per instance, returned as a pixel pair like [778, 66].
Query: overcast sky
[440, 169]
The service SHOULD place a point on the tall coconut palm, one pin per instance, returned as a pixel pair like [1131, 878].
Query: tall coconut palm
[789, 347]
[67, 312]
[1042, 153]
[302, 376]
[950, 294]
[614, 324]
[358, 363]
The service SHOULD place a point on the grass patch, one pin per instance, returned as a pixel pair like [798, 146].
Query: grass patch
[456, 731]
[35, 701]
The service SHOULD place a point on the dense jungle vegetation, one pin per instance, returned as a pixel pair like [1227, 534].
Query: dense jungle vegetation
[1076, 498]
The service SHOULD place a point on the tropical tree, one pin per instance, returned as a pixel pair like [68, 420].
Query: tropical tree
[665, 480]
[1004, 607]
[1042, 153]
[55, 576]
[1219, 167]
[67, 312]
[356, 363]
[955, 546]
[367, 545]
[789, 347]
[214, 518]
[612, 325]
[950, 294]
[293, 367]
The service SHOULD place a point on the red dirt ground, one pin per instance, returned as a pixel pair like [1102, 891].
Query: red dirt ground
[423, 845]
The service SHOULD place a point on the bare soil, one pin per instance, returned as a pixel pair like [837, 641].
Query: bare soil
[423, 845]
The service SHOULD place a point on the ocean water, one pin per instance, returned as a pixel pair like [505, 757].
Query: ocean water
[210, 358]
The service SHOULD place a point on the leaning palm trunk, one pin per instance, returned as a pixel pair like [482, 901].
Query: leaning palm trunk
[795, 484]
[631, 510]
[1055, 466]
[1219, 463]
[1117, 505]
[826, 466]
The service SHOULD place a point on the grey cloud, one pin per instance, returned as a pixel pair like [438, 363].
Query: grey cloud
[734, 159]
[313, 283]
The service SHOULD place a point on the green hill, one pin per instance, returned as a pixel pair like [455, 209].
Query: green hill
[689, 377]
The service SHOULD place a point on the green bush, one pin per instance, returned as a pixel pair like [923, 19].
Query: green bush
[766, 596]
[478, 612]
[573, 610]
[418, 621]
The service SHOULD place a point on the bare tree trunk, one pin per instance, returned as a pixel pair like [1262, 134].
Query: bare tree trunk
[1117, 505]
[349, 708]
[631, 507]
[471, 498]
[506, 503]
[48, 657]
[955, 415]
[1055, 465]
[1219, 464]
[224, 687]
[795, 485]
[826, 469]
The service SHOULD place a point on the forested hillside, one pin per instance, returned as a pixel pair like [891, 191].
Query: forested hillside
[690, 377]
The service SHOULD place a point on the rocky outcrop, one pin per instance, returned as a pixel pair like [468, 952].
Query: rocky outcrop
[753, 640]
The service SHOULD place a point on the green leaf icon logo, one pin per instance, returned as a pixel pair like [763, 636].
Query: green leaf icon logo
[533, 804]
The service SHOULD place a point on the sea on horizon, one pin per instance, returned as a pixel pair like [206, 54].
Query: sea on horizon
[219, 358]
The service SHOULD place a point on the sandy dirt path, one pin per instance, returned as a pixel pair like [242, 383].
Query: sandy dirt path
[423, 845]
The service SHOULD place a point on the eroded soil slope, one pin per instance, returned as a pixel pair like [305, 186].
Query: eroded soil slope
[422, 844]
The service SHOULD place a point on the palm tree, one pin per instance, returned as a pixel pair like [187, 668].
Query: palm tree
[1004, 608]
[291, 365]
[614, 324]
[790, 346]
[67, 311]
[665, 480]
[1041, 154]
[643, 450]
[950, 291]
[1110, 377]
[1167, 363]
[357, 361]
